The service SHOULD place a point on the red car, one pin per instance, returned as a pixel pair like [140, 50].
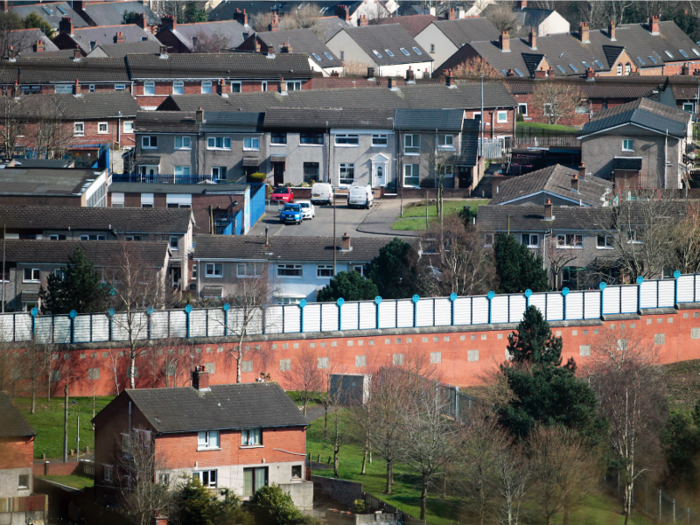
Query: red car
[282, 195]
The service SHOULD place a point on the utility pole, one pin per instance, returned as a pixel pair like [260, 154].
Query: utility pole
[330, 181]
[77, 442]
[65, 422]
[4, 239]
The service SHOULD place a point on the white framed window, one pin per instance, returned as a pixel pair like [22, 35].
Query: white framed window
[128, 126]
[377, 53]
[324, 271]
[253, 480]
[488, 240]
[628, 68]
[628, 145]
[103, 128]
[206, 86]
[606, 242]
[57, 237]
[411, 175]
[108, 473]
[347, 173]
[311, 138]
[214, 270]
[251, 144]
[632, 237]
[223, 143]
[296, 471]
[347, 139]
[294, 85]
[322, 362]
[183, 142]
[206, 477]
[182, 171]
[502, 116]
[64, 89]
[448, 172]
[619, 70]
[405, 51]
[247, 270]
[380, 141]
[149, 142]
[164, 478]
[522, 108]
[359, 269]
[569, 240]
[411, 144]
[218, 173]
[32, 275]
[432, 48]
[194, 271]
[531, 240]
[688, 106]
[251, 437]
[235, 87]
[178, 87]
[79, 129]
[446, 141]
[149, 87]
[174, 242]
[119, 87]
[263, 85]
[547, 109]
[287, 300]
[147, 200]
[208, 439]
[117, 200]
[290, 270]
[388, 52]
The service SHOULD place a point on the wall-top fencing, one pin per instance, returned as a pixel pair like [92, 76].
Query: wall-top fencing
[351, 315]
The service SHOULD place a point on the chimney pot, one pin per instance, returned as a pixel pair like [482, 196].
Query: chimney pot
[270, 50]
[283, 86]
[548, 216]
[505, 42]
[163, 51]
[451, 14]
[275, 23]
[390, 82]
[141, 20]
[522, 4]
[410, 75]
[11, 53]
[345, 244]
[39, 46]
[449, 79]
[76, 53]
[582, 171]
[590, 73]
[363, 21]
[77, 88]
[341, 11]
[241, 16]
[685, 70]
[222, 88]
[200, 379]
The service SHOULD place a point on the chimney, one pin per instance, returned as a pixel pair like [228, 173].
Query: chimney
[584, 34]
[505, 42]
[551, 72]
[611, 31]
[76, 53]
[119, 38]
[345, 243]
[169, 22]
[582, 171]
[410, 75]
[199, 114]
[241, 16]
[548, 216]
[540, 73]
[532, 39]
[511, 73]
[522, 4]
[287, 48]
[390, 82]
[267, 236]
[39, 46]
[449, 79]
[370, 73]
[163, 52]
[66, 25]
[363, 21]
[11, 53]
[654, 24]
[575, 183]
[451, 14]
[274, 24]
[200, 379]
[685, 70]
[76, 88]
[283, 86]
[590, 73]
[341, 11]
[141, 20]
[222, 88]
[270, 50]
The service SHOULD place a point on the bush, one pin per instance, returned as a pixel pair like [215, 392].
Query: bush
[271, 506]
[257, 177]
[359, 507]
[305, 185]
[519, 118]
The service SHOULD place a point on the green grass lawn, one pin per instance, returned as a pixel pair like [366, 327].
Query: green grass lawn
[78, 482]
[414, 216]
[47, 422]
[546, 127]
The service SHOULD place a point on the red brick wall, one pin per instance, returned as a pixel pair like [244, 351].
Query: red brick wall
[16, 452]
[91, 136]
[55, 469]
[535, 112]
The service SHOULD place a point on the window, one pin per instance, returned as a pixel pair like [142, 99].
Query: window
[206, 86]
[64, 89]
[182, 171]
[488, 240]
[380, 140]
[448, 172]
[149, 87]
[522, 108]
[23, 481]
[547, 109]
[102, 128]
[585, 64]
[573, 68]
[324, 271]
[214, 270]
[322, 362]
[446, 141]
[119, 87]
[93, 238]
[208, 439]
[218, 173]
[58, 237]
[288, 300]
[253, 480]
[32, 275]
[311, 138]
[294, 85]
[359, 269]
[290, 270]
[174, 242]
[668, 54]
[628, 68]
[347, 173]
[247, 270]
[128, 126]
[79, 129]
[377, 53]
[411, 144]
[263, 85]
[619, 70]
[164, 478]
[178, 87]
[605, 241]
[653, 60]
[296, 471]
[311, 171]
[631, 237]
[688, 106]
[316, 57]
[502, 116]
[147, 200]
[206, 477]
[235, 87]
[388, 52]
[251, 143]
[219, 143]
[278, 138]
[518, 72]
[628, 145]
[135, 238]
[194, 271]
[346, 139]
[598, 63]
[569, 241]
[432, 48]
[183, 142]
[251, 437]
[328, 55]
[562, 70]
[531, 240]
[108, 473]
[149, 142]
[411, 178]
[342, 55]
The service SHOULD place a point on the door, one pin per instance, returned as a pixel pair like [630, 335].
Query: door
[176, 274]
[379, 176]
[278, 169]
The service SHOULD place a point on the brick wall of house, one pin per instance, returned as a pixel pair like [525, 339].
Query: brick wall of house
[91, 134]
[535, 112]
[16, 452]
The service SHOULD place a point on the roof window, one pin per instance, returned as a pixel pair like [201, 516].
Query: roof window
[520, 74]
[562, 70]
[641, 61]
[316, 56]
[668, 54]
[48, 11]
[573, 68]
[683, 53]
[585, 64]
[388, 52]
[63, 11]
[417, 51]
[403, 50]
[697, 53]
[328, 56]
[377, 53]
[653, 60]
[597, 63]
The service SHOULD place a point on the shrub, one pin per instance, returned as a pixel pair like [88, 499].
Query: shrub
[359, 507]
[257, 177]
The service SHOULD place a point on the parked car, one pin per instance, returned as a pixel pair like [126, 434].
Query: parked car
[282, 195]
[307, 209]
[322, 193]
[291, 213]
[360, 197]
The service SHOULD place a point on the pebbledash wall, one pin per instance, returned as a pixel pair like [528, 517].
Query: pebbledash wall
[463, 336]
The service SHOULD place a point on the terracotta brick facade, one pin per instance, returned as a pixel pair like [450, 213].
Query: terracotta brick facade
[16, 452]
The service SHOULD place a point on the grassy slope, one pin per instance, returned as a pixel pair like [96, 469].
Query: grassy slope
[414, 216]
[547, 127]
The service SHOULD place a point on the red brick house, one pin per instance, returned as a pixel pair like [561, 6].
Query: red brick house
[238, 436]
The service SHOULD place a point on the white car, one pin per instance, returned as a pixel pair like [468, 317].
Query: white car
[307, 209]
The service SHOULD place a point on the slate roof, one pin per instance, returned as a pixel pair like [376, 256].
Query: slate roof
[184, 189]
[494, 218]
[601, 87]
[466, 30]
[119, 220]
[100, 253]
[225, 407]
[387, 36]
[414, 24]
[46, 182]
[470, 144]
[416, 96]
[232, 122]
[302, 41]
[185, 122]
[112, 13]
[219, 65]
[107, 35]
[121, 50]
[555, 180]
[13, 422]
[429, 120]
[317, 118]
[51, 12]
[528, 18]
[364, 249]
[22, 40]
[88, 106]
[627, 163]
[54, 70]
[641, 112]
[232, 30]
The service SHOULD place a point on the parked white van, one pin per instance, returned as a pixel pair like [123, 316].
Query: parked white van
[322, 193]
[360, 197]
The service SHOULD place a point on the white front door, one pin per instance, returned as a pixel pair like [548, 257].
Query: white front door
[378, 175]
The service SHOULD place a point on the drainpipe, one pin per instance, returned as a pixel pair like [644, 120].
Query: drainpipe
[663, 182]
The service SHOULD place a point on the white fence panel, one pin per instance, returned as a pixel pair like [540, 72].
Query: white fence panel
[350, 316]
[667, 293]
[539, 300]
[628, 303]
[463, 311]
[100, 327]
[273, 320]
[329, 317]
[481, 310]
[61, 329]
[368, 315]
[697, 288]
[7, 325]
[119, 328]
[555, 306]
[443, 312]
[255, 325]
[686, 288]
[499, 309]
[23, 327]
[312, 318]
[591, 302]
[611, 300]
[43, 329]
[198, 323]
[178, 324]
[574, 305]
[216, 321]
[159, 325]
[424, 312]
[387, 314]
[292, 319]
[404, 313]
[82, 329]
[648, 296]
[518, 304]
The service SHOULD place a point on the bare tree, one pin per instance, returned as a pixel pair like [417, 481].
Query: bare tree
[475, 68]
[114, 360]
[35, 363]
[9, 363]
[304, 377]
[338, 434]
[557, 259]
[175, 363]
[206, 42]
[512, 467]
[685, 240]
[51, 136]
[557, 99]
[11, 125]
[502, 17]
